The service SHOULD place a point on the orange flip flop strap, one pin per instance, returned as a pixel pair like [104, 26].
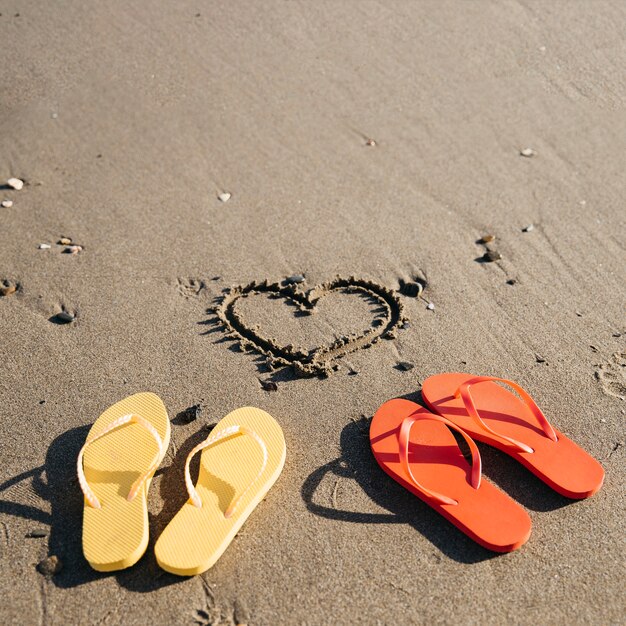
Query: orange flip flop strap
[403, 442]
[230, 431]
[464, 393]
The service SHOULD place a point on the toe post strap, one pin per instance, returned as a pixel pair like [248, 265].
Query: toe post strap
[226, 433]
[463, 392]
[404, 441]
[131, 418]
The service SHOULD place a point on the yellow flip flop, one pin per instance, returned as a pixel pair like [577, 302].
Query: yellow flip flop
[122, 451]
[241, 459]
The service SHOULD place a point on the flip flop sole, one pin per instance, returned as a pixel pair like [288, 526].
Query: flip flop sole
[116, 535]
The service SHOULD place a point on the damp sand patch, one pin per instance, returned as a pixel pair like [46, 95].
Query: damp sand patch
[320, 360]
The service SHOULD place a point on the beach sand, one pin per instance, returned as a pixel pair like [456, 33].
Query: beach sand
[128, 120]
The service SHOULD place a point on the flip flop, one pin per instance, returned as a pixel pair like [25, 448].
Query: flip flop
[417, 449]
[241, 459]
[496, 416]
[122, 451]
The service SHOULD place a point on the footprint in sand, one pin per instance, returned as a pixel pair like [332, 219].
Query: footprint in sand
[50, 307]
[612, 376]
[190, 287]
[214, 613]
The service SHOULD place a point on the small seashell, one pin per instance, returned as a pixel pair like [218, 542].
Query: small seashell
[528, 228]
[491, 255]
[15, 183]
[44, 246]
[405, 366]
[50, 566]
[268, 385]
[527, 152]
[64, 241]
[370, 142]
[224, 197]
[539, 358]
[430, 306]
[73, 249]
[65, 317]
[7, 288]
[189, 415]
[7, 204]
[411, 290]
[295, 279]
[487, 239]
[36, 534]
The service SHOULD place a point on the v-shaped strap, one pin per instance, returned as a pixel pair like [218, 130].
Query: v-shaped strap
[90, 496]
[231, 431]
[403, 442]
[463, 392]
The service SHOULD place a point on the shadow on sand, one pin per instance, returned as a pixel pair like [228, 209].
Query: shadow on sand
[56, 483]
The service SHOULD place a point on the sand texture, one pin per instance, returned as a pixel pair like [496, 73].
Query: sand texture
[194, 149]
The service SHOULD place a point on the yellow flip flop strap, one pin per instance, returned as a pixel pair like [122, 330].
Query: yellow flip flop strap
[231, 431]
[90, 496]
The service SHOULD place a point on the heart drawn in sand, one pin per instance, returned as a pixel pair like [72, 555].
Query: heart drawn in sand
[320, 360]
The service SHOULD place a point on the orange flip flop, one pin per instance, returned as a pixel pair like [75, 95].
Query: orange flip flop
[417, 449]
[516, 426]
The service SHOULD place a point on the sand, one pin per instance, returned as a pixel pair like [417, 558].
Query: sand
[128, 120]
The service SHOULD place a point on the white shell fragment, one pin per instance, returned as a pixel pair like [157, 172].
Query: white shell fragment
[527, 152]
[15, 183]
[528, 228]
[295, 279]
[44, 246]
[224, 197]
[7, 204]
[430, 306]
